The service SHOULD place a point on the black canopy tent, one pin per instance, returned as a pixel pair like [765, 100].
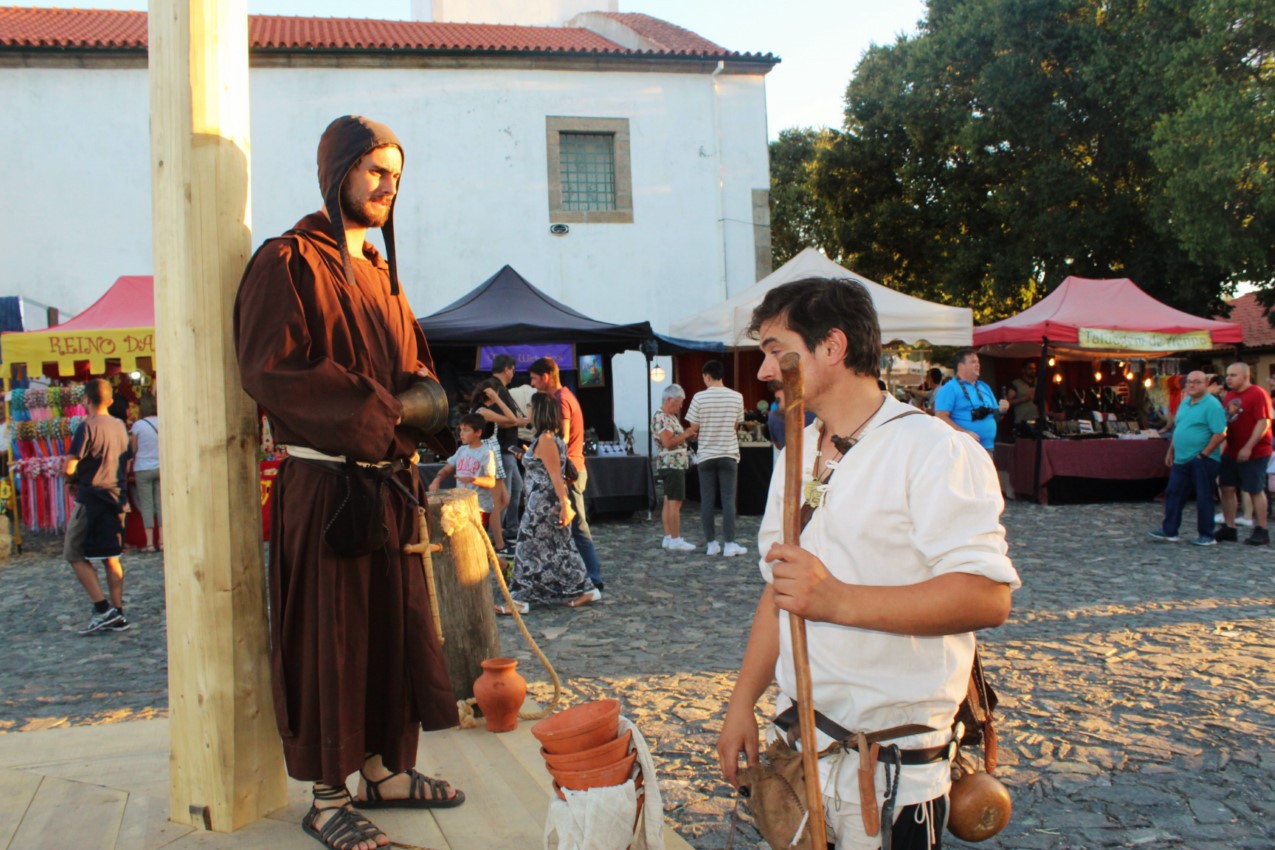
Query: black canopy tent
[507, 310]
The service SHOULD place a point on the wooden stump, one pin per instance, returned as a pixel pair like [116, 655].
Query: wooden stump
[462, 576]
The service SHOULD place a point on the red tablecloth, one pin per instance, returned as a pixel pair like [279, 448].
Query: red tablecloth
[1104, 459]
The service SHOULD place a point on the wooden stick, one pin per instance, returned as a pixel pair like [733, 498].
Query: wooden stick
[794, 425]
[425, 549]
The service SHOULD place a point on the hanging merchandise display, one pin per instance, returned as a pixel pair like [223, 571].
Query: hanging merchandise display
[43, 420]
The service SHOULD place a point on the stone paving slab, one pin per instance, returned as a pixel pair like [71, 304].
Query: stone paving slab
[1136, 677]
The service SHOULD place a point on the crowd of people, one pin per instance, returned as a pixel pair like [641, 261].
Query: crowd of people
[1221, 441]
[897, 582]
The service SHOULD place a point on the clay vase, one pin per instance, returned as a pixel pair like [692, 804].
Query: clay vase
[500, 691]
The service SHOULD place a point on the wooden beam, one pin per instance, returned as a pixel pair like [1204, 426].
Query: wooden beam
[226, 766]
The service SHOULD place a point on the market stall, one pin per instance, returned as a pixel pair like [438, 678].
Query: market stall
[1097, 343]
[904, 320]
[508, 313]
[114, 338]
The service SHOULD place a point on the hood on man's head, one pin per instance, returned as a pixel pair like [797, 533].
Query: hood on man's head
[346, 141]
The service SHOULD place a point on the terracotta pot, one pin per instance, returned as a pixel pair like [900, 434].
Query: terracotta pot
[608, 753]
[637, 784]
[500, 691]
[581, 727]
[615, 773]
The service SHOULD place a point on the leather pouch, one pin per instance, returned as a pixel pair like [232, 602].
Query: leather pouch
[357, 526]
[777, 797]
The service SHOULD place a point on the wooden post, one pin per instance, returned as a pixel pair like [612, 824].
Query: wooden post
[463, 578]
[225, 765]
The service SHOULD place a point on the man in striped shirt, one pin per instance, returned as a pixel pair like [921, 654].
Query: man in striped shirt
[717, 410]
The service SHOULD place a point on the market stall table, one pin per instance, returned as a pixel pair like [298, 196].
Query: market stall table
[1062, 462]
[618, 484]
[756, 462]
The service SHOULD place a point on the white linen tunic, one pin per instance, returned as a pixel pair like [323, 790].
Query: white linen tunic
[913, 499]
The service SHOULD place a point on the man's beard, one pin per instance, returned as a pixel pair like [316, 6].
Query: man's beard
[365, 215]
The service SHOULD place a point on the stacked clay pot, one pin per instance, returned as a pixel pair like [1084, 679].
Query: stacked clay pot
[583, 749]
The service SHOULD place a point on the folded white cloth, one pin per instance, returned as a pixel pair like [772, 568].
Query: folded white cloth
[602, 818]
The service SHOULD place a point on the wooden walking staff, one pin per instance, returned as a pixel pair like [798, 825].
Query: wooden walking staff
[794, 425]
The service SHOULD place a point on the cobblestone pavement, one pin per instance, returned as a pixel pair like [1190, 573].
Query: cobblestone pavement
[1136, 677]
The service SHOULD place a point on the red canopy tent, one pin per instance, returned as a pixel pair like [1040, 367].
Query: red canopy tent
[118, 326]
[1085, 318]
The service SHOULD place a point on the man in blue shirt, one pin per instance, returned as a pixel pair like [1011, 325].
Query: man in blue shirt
[968, 404]
[1194, 457]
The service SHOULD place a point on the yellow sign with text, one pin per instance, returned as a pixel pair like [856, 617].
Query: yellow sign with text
[1114, 340]
[36, 348]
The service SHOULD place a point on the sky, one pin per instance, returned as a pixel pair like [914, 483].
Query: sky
[819, 41]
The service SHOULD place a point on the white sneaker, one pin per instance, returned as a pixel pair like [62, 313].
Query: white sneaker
[732, 549]
[713, 548]
[677, 544]
[667, 541]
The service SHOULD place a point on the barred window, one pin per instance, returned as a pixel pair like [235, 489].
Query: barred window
[588, 171]
[590, 179]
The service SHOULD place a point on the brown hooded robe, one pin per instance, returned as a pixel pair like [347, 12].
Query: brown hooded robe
[324, 344]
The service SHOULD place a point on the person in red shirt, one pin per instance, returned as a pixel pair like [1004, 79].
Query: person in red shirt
[1247, 452]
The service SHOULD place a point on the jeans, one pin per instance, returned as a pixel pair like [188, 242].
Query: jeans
[1200, 473]
[513, 481]
[718, 473]
[580, 529]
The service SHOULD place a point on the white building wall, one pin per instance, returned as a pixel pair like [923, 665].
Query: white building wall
[473, 196]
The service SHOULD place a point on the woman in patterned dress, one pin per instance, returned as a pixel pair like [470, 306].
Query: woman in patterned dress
[673, 462]
[547, 567]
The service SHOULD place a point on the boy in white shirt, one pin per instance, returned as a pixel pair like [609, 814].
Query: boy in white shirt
[474, 464]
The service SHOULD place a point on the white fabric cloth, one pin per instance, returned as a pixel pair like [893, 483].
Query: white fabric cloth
[147, 433]
[912, 500]
[716, 410]
[602, 818]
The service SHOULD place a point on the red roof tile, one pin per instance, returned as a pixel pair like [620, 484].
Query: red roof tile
[669, 37]
[21, 27]
[1251, 315]
[106, 29]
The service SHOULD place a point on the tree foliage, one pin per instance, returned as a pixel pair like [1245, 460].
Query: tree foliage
[1011, 143]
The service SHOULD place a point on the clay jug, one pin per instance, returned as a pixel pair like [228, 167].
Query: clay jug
[500, 691]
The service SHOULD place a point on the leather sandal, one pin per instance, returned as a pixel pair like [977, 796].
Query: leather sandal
[415, 798]
[345, 828]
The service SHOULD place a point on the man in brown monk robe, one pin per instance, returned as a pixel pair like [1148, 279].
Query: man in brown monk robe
[329, 348]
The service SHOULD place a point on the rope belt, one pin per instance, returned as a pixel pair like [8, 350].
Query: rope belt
[307, 453]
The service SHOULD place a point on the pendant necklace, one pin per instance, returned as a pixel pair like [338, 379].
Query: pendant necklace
[814, 489]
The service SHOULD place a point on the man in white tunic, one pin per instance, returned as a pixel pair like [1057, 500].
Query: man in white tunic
[902, 560]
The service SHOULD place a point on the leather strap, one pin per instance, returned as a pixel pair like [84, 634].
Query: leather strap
[787, 719]
[868, 784]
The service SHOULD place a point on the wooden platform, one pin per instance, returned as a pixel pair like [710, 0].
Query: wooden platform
[106, 788]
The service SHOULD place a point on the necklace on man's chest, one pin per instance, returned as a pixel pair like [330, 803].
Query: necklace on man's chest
[814, 490]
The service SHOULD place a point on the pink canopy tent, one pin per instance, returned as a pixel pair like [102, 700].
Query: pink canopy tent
[1085, 318]
[118, 326]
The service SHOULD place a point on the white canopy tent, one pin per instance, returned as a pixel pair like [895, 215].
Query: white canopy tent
[903, 318]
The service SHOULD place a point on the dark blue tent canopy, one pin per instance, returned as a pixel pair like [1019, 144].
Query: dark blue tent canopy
[507, 310]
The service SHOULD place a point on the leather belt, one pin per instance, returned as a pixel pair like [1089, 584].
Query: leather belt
[787, 720]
